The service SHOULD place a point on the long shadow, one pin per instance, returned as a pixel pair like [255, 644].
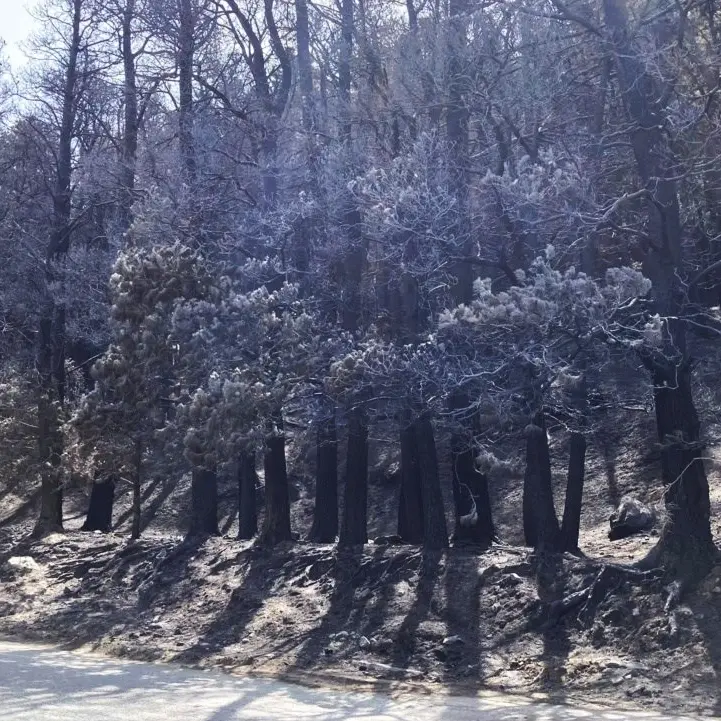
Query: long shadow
[711, 631]
[463, 615]
[145, 494]
[407, 636]
[556, 642]
[245, 601]
[609, 463]
[346, 569]
[149, 512]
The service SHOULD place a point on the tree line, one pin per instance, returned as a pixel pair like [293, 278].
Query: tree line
[225, 218]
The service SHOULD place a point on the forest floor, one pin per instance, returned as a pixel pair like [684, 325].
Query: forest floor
[373, 617]
[462, 620]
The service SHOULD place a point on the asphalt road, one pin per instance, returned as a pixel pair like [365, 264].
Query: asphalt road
[44, 684]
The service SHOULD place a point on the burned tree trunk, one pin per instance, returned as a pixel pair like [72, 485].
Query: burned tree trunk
[354, 530]
[100, 508]
[410, 505]
[137, 483]
[247, 504]
[540, 524]
[686, 546]
[574, 493]
[471, 498]
[204, 503]
[325, 512]
[49, 438]
[435, 533]
[276, 526]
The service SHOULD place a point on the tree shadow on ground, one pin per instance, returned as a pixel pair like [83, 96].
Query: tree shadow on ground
[708, 622]
[551, 585]
[463, 615]
[229, 625]
[344, 569]
[22, 510]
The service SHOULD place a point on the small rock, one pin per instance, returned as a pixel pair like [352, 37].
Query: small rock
[363, 594]
[717, 589]
[328, 651]
[453, 641]
[23, 565]
[364, 642]
[340, 636]
[630, 517]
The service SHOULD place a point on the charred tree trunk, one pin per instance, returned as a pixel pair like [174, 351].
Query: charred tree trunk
[137, 488]
[49, 440]
[472, 501]
[435, 532]
[574, 493]
[130, 120]
[325, 512]
[686, 546]
[100, 508]
[247, 503]
[276, 526]
[185, 60]
[540, 524]
[410, 505]
[204, 503]
[344, 68]
[354, 529]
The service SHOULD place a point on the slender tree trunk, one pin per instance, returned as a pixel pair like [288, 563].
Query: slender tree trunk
[247, 503]
[410, 505]
[185, 59]
[344, 68]
[137, 488]
[130, 110]
[354, 530]
[574, 493]
[325, 512]
[100, 508]
[204, 503]
[435, 533]
[276, 527]
[540, 524]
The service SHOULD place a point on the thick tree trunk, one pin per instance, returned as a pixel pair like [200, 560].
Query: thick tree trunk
[354, 529]
[574, 493]
[540, 524]
[49, 435]
[100, 508]
[435, 532]
[204, 503]
[185, 60]
[276, 526]
[137, 488]
[325, 512]
[247, 503]
[472, 501]
[410, 504]
[686, 546]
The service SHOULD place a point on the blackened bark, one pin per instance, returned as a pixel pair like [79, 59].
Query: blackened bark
[276, 526]
[185, 59]
[435, 532]
[344, 68]
[354, 529]
[686, 546]
[49, 438]
[540, 524]
[472, 501]
[137, 489]
[204, 503]
[131, 119]
[247, 502]
[410, 504]
[574, 493]
[100, 508]
[325, 512]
